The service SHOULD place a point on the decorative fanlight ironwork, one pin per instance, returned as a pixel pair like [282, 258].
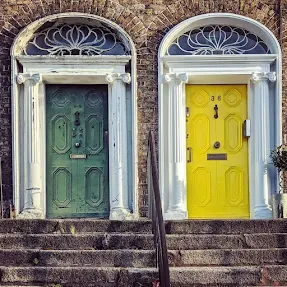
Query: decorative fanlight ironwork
[217, 40]
[76, 40]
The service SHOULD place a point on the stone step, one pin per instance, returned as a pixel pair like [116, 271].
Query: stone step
[229, 276]
[241, 257]
[269, 275]
[226, 226]
[103, 258]
[229, 241]
[103, 241]
[141, 258]
[89, 241]
[72, 226]
[76, 277]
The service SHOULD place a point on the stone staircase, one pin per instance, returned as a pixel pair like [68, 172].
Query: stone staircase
[73, 253]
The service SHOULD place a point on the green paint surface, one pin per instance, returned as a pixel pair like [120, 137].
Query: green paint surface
[77, 187]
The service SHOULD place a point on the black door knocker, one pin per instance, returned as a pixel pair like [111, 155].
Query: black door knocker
[77, 121]
[216, 111]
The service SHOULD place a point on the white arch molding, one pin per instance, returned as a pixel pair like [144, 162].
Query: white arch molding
[30, 74]
[263, 76]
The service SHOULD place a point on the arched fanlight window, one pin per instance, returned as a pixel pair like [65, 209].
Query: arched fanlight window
[217, 40]
[76, 39]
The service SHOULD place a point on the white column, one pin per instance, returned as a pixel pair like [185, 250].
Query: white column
[32, 167]
[261, 141]
[119, 199]
[177, 141]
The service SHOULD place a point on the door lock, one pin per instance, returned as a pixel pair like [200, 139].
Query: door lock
[216, 144]
[77, 144]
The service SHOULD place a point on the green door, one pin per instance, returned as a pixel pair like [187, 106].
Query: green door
[77, 151]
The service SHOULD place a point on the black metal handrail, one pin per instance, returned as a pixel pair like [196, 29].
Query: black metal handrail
[155, 213]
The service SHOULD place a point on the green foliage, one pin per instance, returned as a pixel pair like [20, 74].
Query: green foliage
[73, 229]
[279, 158]
[36, 261]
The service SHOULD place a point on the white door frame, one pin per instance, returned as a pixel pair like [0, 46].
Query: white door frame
[30, 74]
[261, 74]
[39, 71]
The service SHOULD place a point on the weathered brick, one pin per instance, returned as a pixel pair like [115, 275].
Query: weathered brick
[146, 21]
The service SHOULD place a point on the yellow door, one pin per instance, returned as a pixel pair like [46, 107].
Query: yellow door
[217, 152]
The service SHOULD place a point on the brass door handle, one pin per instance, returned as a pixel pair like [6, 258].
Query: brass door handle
[189, 154]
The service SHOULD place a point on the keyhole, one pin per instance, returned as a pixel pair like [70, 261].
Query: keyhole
[216, 144]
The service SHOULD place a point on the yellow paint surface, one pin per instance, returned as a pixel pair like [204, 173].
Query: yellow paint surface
[217, 188]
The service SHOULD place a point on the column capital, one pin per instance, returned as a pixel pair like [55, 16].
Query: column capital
[33, 78]
[175, 78]
[263, 76]
[125, 77]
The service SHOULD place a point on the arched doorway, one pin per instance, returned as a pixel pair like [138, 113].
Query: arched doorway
[219, 103]
[74, 106]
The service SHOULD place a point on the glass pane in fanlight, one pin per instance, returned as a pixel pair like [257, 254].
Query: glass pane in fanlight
[216, 40]
[76, 40]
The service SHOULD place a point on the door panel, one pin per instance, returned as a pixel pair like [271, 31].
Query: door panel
[77, 154]
[217, 187]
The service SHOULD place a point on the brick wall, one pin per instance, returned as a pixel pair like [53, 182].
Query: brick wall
[146, 21]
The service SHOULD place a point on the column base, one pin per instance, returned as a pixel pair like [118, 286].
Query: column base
[175, 215]
[263, 212]
[30, 213]
[121, 214]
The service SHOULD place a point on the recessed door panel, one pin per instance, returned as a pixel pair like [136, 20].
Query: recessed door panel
[233, 133]
[94, 134]
[61, 133]
[94, 187]
[200, 126]
[62, 187]
[217, 174]
[201, 184]
[234, 186]
[77, 153]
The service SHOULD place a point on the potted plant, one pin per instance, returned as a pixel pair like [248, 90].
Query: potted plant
[279, 159]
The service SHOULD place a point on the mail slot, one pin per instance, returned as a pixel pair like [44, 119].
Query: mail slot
[217, 156]
[78, 156]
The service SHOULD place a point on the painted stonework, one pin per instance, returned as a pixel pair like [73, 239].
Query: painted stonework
[146, 21]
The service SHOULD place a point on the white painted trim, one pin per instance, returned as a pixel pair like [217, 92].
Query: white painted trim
[177, 176]
[66, 70]
[221, 19]
[222, 69]
[72, 74]
[32, 145]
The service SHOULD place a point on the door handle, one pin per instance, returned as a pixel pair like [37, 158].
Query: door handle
[217, 145]
[189, 150]
[216, 111]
